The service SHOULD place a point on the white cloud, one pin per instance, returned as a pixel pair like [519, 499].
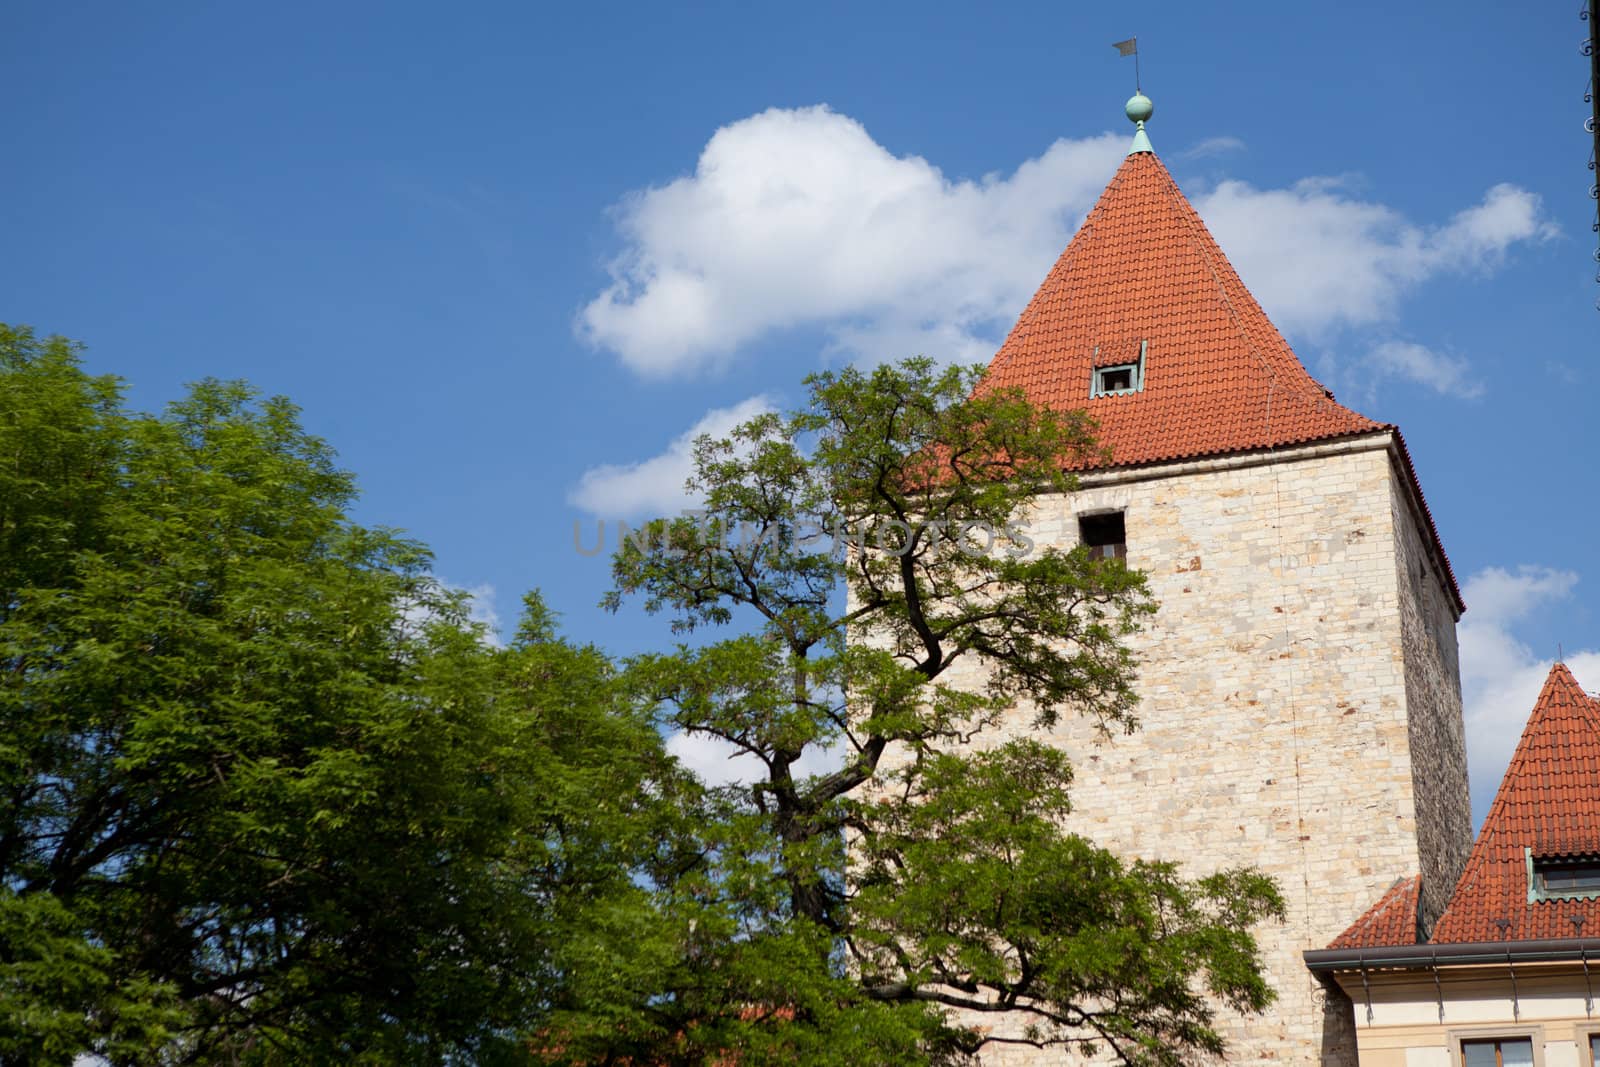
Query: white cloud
[1212, 146]
[1319, 259]
[718, 762]
[1500, 675]
[1505, 597]
[655, 486]
[1449, 375]
[713, 760]
[480, 609]
[798, 217]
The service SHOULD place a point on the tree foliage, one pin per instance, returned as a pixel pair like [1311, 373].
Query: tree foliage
[931, 870]
[266, 795]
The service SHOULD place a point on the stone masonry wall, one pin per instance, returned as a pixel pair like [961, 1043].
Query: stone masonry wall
[1433, 702]
[1275, 684]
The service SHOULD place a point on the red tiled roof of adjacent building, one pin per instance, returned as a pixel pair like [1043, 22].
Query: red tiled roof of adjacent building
[1218, 377]
[1391, 921]
[1549, 805]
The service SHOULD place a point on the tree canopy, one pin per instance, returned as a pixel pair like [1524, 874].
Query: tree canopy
[870, 554]
[268, 796]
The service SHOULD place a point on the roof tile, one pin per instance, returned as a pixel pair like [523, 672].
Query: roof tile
[1219, 378]
[1548, 803]
[1391, 921]
[1218, 375]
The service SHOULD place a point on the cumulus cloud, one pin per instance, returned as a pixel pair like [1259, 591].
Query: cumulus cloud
[655, 486]
[1500, 674]
[1407, 361]
[799, 218]
[1319, 259]
[481, 609]
[717, 762]
[1500, 597]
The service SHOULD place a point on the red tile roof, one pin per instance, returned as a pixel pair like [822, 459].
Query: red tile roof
[1218, 375]
[1218, 378]
[1549, 802]
[1391, 921]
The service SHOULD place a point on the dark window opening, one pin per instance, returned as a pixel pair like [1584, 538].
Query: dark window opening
[1116, 379]
[1105, 535]
[1566, 876]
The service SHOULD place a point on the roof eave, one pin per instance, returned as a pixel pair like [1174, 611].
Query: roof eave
[1401, 452]
[1458, 954]
[1226, 453]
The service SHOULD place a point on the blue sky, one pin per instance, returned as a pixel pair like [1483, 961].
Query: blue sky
[505, 255]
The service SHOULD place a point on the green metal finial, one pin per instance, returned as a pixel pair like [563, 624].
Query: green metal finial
[1138, 110]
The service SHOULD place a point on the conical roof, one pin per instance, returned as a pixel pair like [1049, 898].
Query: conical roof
[1548, 807]
[1143, 282]
[1143, 272]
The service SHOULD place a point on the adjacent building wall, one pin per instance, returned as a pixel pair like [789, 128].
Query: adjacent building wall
[1551, 1007]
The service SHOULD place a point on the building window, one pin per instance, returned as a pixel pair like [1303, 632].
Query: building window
[1110, 380]
[1568, 876]
[1115, 379]
[1562, 877]
[1594, 1048]
[1105, 535]
[1498, 1052]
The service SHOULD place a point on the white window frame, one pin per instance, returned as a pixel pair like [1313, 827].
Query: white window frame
[1135, 374]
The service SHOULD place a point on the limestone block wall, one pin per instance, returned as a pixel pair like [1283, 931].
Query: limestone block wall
[1433, 702]
[1275, 689]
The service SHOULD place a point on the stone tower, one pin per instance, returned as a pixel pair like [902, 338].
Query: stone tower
[1300, 695]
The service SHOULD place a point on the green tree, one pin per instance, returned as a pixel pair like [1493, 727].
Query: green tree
[840, 917]
[266, 795]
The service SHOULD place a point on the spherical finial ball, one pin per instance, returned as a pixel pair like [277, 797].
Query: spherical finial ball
[1139, 108]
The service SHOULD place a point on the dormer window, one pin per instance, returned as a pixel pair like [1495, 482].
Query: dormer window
[1115, 379]
[1562, 877]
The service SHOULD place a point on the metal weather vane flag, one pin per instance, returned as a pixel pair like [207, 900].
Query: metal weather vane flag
[1130, 47]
